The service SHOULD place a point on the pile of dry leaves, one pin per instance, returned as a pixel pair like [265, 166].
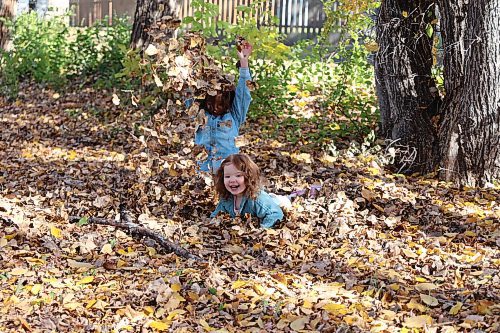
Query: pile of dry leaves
[373, 252]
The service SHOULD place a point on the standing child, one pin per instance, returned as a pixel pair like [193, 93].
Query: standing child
[225, 113]
[237, 183]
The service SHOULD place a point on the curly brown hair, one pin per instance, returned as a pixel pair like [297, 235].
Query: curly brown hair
[245, 164]
[219, 104]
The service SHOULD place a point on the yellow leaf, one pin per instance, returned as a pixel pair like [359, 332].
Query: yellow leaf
[107, 249]
[149, 310]
[259, 289]
[307, 304]
[99, 304]
[85, 280]
[429, 300]
[394, 286]
[18, 271]
[159, 325]
[418, 321]
[404, 13]
[55, 283]
[176, 287]
[301, 158]
[414, 305]
[425, 286]
[206, 326]
[299, 323]
[56, 232]
[328, 160]
[336, 309]
[72, 155]
[455, 308]
[36, 289]
[174, 314]
[420, 279]
[409, 253]
[90, 303]
[72, 305]
[238, 284]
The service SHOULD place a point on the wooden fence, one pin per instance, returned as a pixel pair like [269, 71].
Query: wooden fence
[297, 19]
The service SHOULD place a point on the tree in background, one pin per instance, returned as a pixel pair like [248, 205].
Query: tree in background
[149, 14]
[6, 12]
[459, 134]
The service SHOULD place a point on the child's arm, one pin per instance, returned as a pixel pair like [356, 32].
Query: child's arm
[218, 209]
[242, 97]
[268, 210]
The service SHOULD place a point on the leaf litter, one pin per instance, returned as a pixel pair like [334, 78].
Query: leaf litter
[372, 251]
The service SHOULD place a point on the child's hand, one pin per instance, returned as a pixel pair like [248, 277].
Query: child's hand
[244, 51]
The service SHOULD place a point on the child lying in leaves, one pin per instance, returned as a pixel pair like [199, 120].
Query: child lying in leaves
[237, 183]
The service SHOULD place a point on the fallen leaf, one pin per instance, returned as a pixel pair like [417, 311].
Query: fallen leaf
[299, 323]
[429, 300]
[159, 325]
[456, 308]
[107, 249]
[85, 280]
[418, 321]
[56, 232]
[426, 286]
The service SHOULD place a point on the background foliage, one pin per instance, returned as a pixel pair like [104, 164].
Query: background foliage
[47, 51]
[315, 91]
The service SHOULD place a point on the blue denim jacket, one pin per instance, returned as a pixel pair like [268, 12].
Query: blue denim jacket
[264, 207]
[219, 133]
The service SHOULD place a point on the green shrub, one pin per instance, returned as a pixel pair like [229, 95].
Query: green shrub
[49, 52]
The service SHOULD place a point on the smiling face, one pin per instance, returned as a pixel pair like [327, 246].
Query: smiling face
[234, 180]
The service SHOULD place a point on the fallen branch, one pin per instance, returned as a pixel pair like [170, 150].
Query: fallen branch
[136, 231]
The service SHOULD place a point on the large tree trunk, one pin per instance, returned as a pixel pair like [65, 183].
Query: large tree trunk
[470, 129]
[407, 94]
[148, 16]
[7, 12]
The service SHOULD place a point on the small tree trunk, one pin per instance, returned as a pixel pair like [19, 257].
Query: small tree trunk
[7, 12]
[407, 93]
[148, 14]
[470, 129]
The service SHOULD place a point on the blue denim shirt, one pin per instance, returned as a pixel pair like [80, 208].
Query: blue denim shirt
[219, 133]
[264, 207]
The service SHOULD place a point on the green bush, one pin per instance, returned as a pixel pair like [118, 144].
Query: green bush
[49, 52]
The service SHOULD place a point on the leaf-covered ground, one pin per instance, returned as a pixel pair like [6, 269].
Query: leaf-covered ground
[374, 251]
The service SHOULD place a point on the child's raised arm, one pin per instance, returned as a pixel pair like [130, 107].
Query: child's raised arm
[242, 97]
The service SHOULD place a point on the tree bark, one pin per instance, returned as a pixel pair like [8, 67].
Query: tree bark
[407, 93]
[149, 15]
[470, 129]
[7, 12]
